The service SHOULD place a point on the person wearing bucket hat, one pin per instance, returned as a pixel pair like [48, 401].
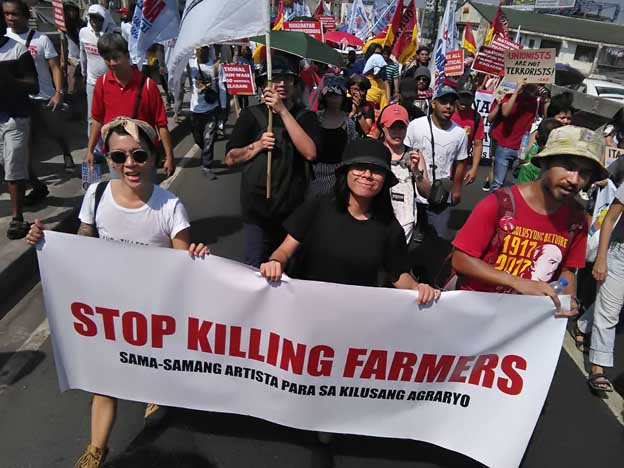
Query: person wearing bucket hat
[131, 210]
[337, 129]
[293, 146]
[351, 236]
[490, 253]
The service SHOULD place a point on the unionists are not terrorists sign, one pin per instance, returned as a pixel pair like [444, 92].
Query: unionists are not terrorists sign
[534, 65]
[469, 373]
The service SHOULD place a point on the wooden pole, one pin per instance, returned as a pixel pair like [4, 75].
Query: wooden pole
[269, 67]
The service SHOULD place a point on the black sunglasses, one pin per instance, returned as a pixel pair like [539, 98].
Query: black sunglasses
[119, 157]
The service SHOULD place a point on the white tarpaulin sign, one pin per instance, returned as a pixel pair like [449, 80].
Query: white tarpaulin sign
[206, 22]
[483, 103]
[469, 373]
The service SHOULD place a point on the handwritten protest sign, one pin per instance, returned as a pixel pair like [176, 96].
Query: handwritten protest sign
[311, 28]
[454, 65]
[59, 15]
[612, 154]
[328, 22]
[534, 65]
[469, 373]
[239, 79]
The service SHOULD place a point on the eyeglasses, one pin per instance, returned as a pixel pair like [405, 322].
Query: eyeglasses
[360, 169]
[423, 78]
[139, 155]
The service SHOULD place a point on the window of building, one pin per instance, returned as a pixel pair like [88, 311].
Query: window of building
[548, 44]
[531, 43]
[585, 53]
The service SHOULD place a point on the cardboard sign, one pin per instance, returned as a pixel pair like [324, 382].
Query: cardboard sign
[454, 65]
[59, 15]
[534, 65]
[239, 79]
[328, 22]
[311, 28]
[491, 59]
[612, 154]
[505, 87]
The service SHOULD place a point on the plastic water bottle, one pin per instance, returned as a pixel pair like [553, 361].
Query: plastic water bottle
[559, 285]
[524, 145]
[90, 174]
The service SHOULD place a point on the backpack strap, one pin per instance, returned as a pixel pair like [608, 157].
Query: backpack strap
[576, 222]
[29, 39]
[99, 192]
[506, 209]
[137, 102]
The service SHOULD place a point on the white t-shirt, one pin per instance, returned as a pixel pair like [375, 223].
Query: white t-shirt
[12, 50]
[126, 29]
[73, 49]
[450, 145]
[156, 223]
[93, 66]
[198, 103]
[42, 50]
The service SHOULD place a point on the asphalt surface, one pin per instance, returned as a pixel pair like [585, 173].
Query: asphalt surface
[39, 427]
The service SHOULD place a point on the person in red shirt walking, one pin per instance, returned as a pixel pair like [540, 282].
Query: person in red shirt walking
[125, 91]
[520, 238]
[511, 119]
[469, 119]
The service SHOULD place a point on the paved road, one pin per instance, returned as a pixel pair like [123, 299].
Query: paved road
[41, 428]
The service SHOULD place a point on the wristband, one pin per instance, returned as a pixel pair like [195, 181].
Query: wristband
[275, 260]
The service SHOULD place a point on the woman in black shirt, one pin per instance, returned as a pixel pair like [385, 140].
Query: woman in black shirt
[350, 237]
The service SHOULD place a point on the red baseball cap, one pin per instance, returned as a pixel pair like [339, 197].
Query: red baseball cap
[392, 114]
[123, 10]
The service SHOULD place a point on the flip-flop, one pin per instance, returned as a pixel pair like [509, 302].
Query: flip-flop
[576, 333]
[601, 386]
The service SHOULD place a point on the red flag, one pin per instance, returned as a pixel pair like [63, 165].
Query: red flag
[395, 25]
[405, 45]
[469, 41]
[499, 25]
[320, 10]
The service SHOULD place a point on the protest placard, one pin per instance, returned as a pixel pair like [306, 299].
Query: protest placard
[469, 373]
[59, 15]
[534, 65]
[491, 59]
[239, 79]
[454, 65]
[612, 154]
[483, 103]
[505, 87]
[328, 22]
[311, 28]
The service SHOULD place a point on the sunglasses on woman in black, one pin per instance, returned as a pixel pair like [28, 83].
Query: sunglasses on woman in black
[119, 156]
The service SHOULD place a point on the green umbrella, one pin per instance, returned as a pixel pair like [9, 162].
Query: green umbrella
[302, 45]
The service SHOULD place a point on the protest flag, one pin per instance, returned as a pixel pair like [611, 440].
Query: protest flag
[382, 17]
[210, 21]
[517, 38]
[378, 39]
[469, 41]
[499, 25]
[405, 46]
[153, 21]
[322, 9]
[395, 25]
[445, 42]
[358, 23]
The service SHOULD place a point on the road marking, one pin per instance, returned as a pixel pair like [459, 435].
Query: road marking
[613, 400]
[21, 357]
[181, 165]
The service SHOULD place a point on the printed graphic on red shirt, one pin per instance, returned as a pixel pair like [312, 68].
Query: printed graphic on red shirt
[534, 246]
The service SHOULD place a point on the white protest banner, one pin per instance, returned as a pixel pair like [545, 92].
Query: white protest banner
[311, 28]
[534, 65]
[483, 102]
[239, 79]
[153, 21]
[469, 373]
[612, 154]
[211, 21]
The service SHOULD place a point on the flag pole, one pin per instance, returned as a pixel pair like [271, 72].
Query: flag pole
[269, 68]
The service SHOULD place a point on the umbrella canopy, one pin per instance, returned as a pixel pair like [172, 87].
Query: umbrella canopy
[341, 37]
[565, 75]
[302, 45]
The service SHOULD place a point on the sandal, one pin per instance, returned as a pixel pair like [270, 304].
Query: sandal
[581, 339]
[599, 382]
[17, 229]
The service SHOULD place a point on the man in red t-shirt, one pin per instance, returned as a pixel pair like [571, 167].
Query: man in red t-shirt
[116, 94]
[510, 122]
[469, 119]
[521, 238]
